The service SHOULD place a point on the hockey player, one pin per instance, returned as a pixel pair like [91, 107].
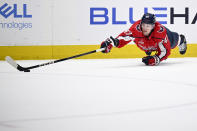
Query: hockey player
[149, 35]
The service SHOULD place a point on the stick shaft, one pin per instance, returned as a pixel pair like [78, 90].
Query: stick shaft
[63, 59]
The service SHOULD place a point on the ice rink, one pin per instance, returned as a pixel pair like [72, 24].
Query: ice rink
[100, 95]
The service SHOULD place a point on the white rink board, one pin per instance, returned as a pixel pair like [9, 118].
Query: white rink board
[60, 22]
[107, 95]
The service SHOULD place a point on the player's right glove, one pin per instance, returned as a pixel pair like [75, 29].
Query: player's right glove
[107, 44]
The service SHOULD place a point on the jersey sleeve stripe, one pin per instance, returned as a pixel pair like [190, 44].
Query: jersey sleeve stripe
[163, 50]
[126, 38]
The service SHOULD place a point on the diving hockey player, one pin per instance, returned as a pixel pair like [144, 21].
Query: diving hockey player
[149, 35]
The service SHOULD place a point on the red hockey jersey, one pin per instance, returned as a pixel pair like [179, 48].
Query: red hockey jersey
[158, 40]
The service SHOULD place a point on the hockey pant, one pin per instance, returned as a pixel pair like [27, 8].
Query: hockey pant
[173, 38]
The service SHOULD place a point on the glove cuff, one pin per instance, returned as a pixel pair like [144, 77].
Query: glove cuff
[115, 41]
[157, 60]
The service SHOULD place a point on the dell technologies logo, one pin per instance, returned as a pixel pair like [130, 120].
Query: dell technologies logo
[12, 12]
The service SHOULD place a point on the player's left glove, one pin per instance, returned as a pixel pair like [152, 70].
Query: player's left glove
[151, 60]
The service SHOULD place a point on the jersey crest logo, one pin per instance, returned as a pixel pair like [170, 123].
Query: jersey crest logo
[149, 48]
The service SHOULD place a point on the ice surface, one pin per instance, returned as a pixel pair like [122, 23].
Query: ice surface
[100, 95]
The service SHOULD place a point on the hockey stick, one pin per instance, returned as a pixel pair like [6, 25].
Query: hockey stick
[27, 69]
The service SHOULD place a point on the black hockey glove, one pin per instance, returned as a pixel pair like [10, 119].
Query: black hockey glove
[115, 41]
[151, 60]
[109, 43]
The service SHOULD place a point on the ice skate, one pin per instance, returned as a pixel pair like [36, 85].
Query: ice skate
[182, 45]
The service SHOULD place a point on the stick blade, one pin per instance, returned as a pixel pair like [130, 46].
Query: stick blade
[15, 65]
[11, 61]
